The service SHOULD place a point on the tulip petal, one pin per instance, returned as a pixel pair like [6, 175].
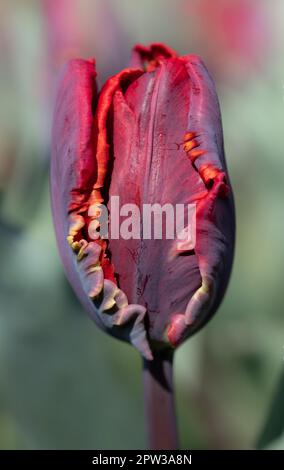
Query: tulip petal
[148, 58]
[78, 173]
[175, 103]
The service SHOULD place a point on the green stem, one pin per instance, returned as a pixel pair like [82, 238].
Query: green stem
[159, 402]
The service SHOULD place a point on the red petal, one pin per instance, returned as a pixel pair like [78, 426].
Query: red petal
[175, 103]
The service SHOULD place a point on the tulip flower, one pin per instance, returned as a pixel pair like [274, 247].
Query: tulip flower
[239, 32]
[152, 135]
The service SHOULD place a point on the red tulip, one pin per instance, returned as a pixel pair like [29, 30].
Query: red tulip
[152, 135]
[239, 32]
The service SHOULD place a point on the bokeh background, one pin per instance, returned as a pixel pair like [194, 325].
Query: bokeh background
[63, 383]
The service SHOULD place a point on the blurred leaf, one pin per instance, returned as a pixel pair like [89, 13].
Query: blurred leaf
[274, 426]
[278, 444]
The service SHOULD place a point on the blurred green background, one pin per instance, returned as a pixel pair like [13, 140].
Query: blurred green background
[65, 384]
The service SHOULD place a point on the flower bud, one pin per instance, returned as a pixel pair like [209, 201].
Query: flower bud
[152, 140]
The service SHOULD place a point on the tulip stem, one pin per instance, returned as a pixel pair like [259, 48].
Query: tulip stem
[159, 402]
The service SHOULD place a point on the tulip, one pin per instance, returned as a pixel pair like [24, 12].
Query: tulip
[153, 135]
[239, 32]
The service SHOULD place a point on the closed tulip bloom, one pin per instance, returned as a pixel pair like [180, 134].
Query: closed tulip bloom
[152, 135]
